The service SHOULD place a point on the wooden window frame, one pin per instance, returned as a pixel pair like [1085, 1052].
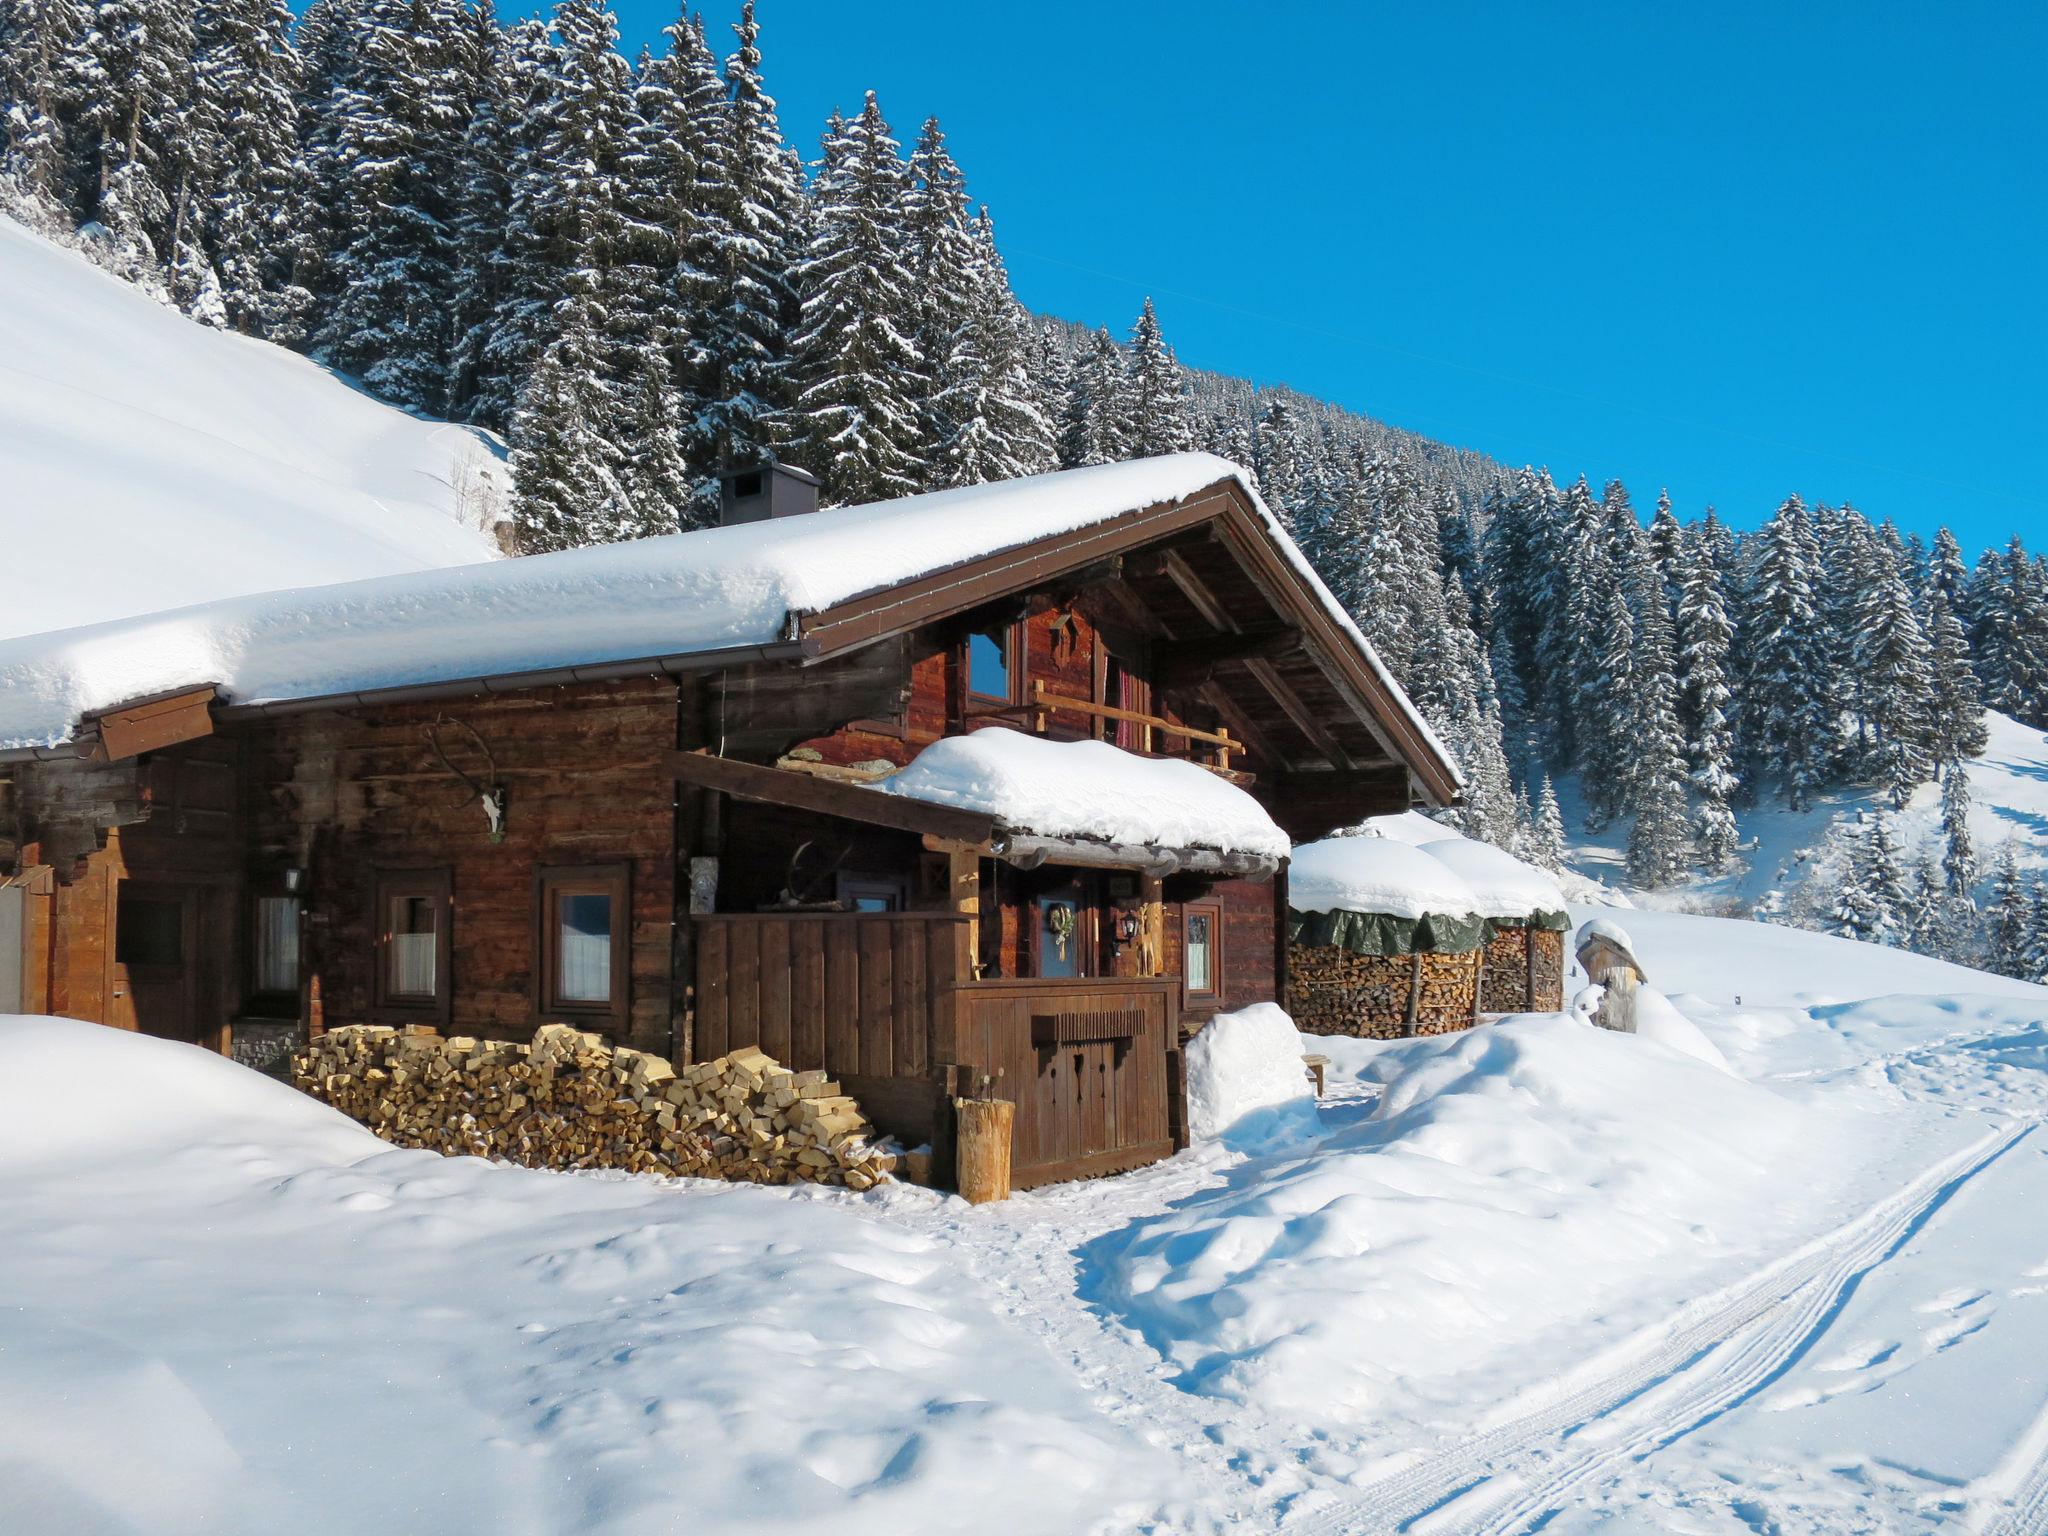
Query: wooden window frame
[614, 880]
[1212, 996]
[856, 884]
[438, 885]
[1015, 658]
[259, 1001]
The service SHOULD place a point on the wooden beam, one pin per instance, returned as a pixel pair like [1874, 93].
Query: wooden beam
[1189, 663]
[1298, 711]
[1197, 592]
[853, 802]
[148, 724]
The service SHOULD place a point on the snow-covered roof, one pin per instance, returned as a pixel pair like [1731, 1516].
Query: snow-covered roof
[1375, 874]
[1088, 789]
[682, 594]
[1405, 865]
[1503, 885]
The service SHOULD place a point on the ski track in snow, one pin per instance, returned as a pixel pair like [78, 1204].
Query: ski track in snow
[2013, 1501]
[1517, 1475]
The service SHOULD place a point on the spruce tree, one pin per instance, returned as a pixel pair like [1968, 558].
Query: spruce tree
[37, 38]
[1704, 635]
[246, 76]
[2009, 923]
[131, 73]
[565, 466]
[1890, 658]
[997, 426]
[1099, 427]
[863, 376]
[1959, 855]
[1872, 903]
[1787, 721]
[755, 234]
[944, 261]
[1158, 392]
[1549, 829]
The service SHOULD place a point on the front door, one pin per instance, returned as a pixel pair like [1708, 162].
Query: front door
[153, 975]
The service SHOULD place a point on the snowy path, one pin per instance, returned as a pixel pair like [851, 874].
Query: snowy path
[1656, 1388]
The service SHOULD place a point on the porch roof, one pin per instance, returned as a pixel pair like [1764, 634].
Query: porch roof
[1090, 791]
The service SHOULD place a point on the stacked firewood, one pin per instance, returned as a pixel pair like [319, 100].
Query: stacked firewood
[1504, 984]
[570, 1100]
[1546, 992]
[1331, 991]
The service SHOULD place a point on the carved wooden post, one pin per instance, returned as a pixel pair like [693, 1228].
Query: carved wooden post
[1609, 961]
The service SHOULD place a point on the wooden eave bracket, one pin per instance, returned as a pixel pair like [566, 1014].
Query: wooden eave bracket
[149, 724]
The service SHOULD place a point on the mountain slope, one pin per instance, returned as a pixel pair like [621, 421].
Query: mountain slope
[148, 462]
[2008, 801]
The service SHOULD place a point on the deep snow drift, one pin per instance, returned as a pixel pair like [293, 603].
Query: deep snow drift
[177, 464]
[226, 1309]
[1533, 1276]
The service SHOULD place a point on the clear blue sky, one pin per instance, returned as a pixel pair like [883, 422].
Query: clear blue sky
[1737, 251]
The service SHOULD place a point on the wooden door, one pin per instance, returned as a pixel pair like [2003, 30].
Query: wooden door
[1076, 1090]
[154, 966]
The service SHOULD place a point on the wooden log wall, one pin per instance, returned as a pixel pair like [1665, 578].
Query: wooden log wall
[343, 794]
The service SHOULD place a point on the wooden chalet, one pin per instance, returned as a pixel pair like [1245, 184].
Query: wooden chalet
[639, 789]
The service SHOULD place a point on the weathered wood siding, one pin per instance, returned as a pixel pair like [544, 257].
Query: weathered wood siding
[344, 794]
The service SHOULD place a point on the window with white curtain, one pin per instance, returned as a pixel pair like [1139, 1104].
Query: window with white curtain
[581, 941]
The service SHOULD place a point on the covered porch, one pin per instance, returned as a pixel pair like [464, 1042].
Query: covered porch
[961, 950]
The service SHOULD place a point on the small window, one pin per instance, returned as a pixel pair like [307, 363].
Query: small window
[275, 945]
[988, 663]
[747, 485]
[413, 938]
[583, 915]
[1202, 951]
[872, 893]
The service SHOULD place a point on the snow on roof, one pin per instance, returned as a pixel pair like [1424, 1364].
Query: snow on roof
[1375, 874]
[680, 594]
[1405, 865]
[1088, 789]
[1504, 885]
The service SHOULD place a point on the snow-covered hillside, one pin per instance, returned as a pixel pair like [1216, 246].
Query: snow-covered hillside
[1533, 1276]
[147, 462]
[2009, 801]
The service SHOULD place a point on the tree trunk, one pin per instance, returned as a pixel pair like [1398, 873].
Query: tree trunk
[982, 1148]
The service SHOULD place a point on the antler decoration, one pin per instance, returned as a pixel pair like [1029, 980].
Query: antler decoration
[798, 892]
[490, 793]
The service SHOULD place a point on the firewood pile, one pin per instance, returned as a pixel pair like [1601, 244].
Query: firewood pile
[1547, 990]
[1504, 984]
[1332, 991]
[570, 1100]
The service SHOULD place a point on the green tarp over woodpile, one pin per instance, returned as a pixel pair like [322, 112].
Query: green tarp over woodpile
[1433, 933]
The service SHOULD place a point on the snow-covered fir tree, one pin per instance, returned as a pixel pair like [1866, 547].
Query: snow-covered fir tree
[1890, 659]
[1158, 393]
[246, 121]
[1704, 636]
[564, 463]
[756, 240]
[131, 73]
[1872, 902]
[996, 422]
[1547, 835]
[1786, 722]
[2008, 921]
[1099, 428]
[857, 344]
[37, 94]
[1959, 853]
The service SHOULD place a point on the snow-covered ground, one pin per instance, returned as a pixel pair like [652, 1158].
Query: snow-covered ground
[147, 462]
[2009, 802]
[1534, 1276]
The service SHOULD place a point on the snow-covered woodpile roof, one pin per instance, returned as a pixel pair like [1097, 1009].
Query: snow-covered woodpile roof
[1388, 868]
[1089, 790]
[684, 600]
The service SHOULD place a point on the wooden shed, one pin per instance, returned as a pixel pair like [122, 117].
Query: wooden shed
[645, 789]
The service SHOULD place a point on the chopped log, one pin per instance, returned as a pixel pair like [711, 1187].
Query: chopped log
[982, 1148]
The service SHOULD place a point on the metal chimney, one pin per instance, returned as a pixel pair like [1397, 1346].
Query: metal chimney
[757, 492]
